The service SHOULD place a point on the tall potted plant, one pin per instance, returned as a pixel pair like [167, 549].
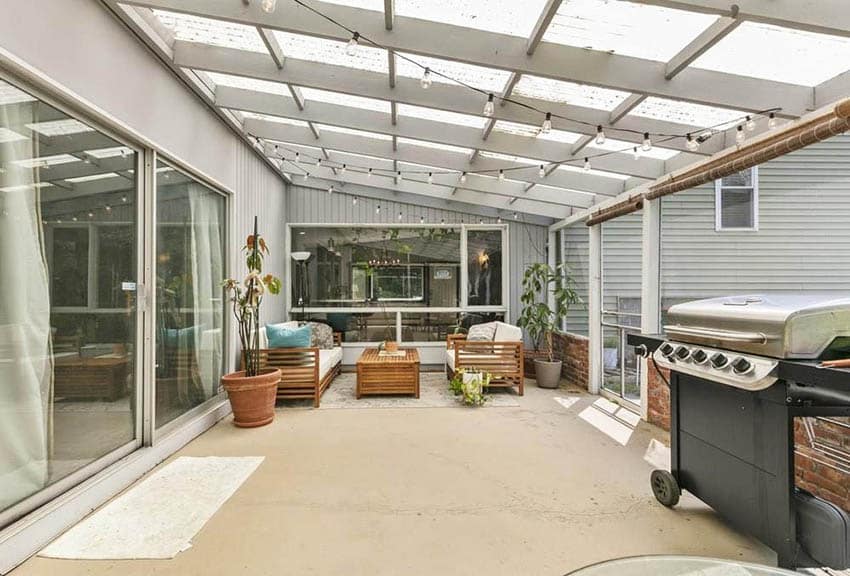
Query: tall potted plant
[540, 321]
[251, 391]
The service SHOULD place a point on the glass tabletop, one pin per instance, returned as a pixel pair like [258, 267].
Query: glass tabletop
[677, 566]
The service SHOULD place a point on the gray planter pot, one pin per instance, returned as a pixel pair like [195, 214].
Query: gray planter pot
[548, 373]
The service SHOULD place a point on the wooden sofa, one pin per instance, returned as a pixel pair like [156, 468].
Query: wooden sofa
[503, 360]
[305, 372]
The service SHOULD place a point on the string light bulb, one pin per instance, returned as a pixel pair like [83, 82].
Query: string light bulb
[268, 6]
[751, 124]
[501, 174]
[542, 172]
[489, 108]
[430, 178]
[354, 201]
[331, 190]
[400, 217]
[647, 142]
[298, 156]
[398, 177]
[378, 209]
[587, 165]
[546, 127]
[369, 173]
[351, 49]
[305, 175]
[463, 177]
[426, 79]
[771, 120]
[422, 219]
[319, 162]
[739, 135]
[636, 153]
[343, 169]
[600, 136]
[516, 215]
[499, 220]
[691, 144]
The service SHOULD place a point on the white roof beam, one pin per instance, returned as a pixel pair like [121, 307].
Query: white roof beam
[428, 130]
[822, 16]
[443, 96]
[272, 46]
[580, 144]
[630, 103]
[389, 14]
[508, 52]
[542, 25]
[833, 89]
[699, 45]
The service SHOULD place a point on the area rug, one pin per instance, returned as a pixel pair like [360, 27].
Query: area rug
[158, 517]
[433, 393]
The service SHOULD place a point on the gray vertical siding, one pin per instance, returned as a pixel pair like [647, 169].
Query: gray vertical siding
[527, 242]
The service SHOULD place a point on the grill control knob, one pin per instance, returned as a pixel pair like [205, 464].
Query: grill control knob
[682, 353]
[699, 356]
[666, 349]
[719, 360]
[742, 366]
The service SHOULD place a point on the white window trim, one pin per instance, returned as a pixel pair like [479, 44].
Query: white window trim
[718, 202]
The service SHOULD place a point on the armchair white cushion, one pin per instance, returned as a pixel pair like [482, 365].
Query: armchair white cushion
[507, 333]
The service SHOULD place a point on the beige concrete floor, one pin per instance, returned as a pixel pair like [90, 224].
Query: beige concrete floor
[435, 491]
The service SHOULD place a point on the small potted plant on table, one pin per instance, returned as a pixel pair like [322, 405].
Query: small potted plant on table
[540, 321]
[251, 391]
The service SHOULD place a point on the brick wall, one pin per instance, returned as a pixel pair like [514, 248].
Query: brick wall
[572, 349]
[822, 469]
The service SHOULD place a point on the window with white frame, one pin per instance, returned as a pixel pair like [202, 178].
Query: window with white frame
[736, 201]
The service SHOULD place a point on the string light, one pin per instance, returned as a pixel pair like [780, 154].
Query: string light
[268, 6]
[430, 178]
[305, 175]
[463, 177]
[600, 136]
[331, 190]
[499, 220]
[318, 162]
[751, 124]
[343, 169]
[542, 172]
[354, 201]
[378, 209]
[422, 219]
[298, 156]
[516, 215]
[426, 79]
[739, 135]
[636, 153]
[351, 49]
[398, 177]
[399, 216]
[647, 142]
[369, 173]
[91, 214]
[771, 120]
[501, 174]
[546, 127]
[488, 106]
[587, 164]
[691, 144]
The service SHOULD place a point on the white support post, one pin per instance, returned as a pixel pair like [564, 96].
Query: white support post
[650, 296]
[550, 259]
[594, 379]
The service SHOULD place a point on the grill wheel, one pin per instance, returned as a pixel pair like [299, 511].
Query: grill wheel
[665, 488]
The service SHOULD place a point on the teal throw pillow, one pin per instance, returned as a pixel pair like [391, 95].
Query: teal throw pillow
[280, 337]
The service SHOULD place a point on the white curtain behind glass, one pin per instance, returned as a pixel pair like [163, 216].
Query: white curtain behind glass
[26, 368]
[207, 275]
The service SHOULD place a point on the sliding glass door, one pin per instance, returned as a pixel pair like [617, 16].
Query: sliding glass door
[68, 307]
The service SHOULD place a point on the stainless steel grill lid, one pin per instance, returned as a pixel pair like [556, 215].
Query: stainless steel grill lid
[775, 325]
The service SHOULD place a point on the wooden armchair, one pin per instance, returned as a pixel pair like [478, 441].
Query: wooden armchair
[503, 360]
[300, 369]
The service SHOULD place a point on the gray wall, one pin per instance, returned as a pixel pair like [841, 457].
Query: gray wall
[313, 205]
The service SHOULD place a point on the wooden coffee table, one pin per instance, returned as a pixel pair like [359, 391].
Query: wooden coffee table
[388, 374]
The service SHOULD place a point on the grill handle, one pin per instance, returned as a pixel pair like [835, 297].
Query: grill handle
[725, 335]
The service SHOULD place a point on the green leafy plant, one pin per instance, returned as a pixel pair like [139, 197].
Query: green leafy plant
[471, 390]
[246, 297]
[539, 320]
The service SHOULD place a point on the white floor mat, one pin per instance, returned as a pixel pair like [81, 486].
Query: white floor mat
[158, 517]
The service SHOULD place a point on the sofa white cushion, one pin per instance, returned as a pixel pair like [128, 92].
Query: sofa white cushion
[328, 359]
[507, 333]
[482, 332]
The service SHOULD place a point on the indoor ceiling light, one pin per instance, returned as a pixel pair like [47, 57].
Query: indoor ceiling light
[268, 6]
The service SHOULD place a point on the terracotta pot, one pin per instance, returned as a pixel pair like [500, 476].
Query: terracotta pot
[391, 346]
[252, 397]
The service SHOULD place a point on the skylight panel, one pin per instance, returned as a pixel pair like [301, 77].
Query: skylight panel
[353, 132]
[11, 95]
[489, 79]
[558, 189]
[109, 152]
[22, 187]
[7, 135]
[313, 49]
[613, 145]
[374, 5]
[92, 177]
[214, 32]
[779, 54]
[441, 116]
[534, 132]
[435, 146]
[416, 167]
[626, 28]
[64, 127]
[685, 112]
[569, 93]
[502, 16]
[510, 158]
[270, 118]
[603, 173]
[364, 160]
[254, 84]
[46, 161]
[346, 100]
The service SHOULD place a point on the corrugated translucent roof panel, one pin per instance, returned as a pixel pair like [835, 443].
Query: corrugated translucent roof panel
[510, 158]
[249, 83]
[534, 131]
[419, 168]
[270, 118]
[569, 93]
[488, 79]
[346, 100]
[64, 127]
[626, 28]
[374, 5]
[614, 145]
[54, 160]
[109, 152]
[93, 177]
[364, 160]
[441, 116]
[574, 168]
[685, 112]
[11, 95]
[560, 189]
[435, 146]
[780, 54]
[209, 31]
[326, 51]
[502, 16]
[363, 133]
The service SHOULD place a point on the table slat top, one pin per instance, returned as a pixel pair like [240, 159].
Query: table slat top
[370, 356]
